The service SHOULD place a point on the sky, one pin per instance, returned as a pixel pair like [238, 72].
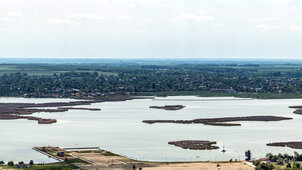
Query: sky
[151, 29]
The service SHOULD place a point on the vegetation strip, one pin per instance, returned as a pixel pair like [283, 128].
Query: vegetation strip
[217, 121]
[168, 107]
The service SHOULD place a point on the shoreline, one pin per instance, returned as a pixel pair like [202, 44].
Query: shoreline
[146, 95]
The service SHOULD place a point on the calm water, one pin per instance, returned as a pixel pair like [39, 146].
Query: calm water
[118, 128]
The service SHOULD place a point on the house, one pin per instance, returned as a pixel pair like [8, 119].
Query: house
[265, 160]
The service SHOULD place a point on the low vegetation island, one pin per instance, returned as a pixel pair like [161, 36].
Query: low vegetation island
[221, 121]
[294, 145]
[195, 144]
[22, 110]
[168, 107]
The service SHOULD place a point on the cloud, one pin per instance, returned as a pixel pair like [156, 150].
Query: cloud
[295, 27]
[79, 16]
[219, 25]
[74, 19]
[8, 17]
[124, 17]
[14, 14]
[58, 21]
[299, 17]
[4, 19]
[266, 27]
[268, 19]
[197, 18]
[148, 19]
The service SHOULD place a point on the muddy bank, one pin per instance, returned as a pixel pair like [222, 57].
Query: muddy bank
[80, 108]
[294, 145]
[195, 144]
[40, 120]
[298, 112]
[217, 121]
[221, 124]
[168, 107]
[295, 107]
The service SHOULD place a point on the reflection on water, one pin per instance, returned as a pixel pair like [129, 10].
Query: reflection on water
[118, 128]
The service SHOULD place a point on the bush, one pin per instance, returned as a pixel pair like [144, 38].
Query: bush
[265, 166]
[288, 165]
[2, 162]
[31, 162]
[280, 161]
[10, 163]
[297, 164]
[269, 156]
[257, 163]
[297, 156]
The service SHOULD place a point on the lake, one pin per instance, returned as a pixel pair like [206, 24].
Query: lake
[118, 128]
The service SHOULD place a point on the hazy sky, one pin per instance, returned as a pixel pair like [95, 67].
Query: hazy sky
[151, 28]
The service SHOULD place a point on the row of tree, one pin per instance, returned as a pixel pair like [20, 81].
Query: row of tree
[11, 163]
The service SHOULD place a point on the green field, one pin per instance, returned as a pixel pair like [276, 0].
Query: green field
[47, 70]
[51, 166]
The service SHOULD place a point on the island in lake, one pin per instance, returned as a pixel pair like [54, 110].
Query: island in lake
[168, 107]
[294, 145]
[299, 111]
[18, 110]
[10, 111]
[221, 121]
[195, 144]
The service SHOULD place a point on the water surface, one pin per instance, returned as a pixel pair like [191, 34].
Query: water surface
[118, 128]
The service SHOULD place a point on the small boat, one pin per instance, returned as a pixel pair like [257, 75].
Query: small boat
[223, 150]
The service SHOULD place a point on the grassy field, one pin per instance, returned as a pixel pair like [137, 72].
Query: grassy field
[41, 70]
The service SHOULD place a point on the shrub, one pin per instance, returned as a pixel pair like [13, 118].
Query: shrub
[265, 166]
[280, 161]
[257, 163]
[297, 164]
[10, 163]
[288, 165]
